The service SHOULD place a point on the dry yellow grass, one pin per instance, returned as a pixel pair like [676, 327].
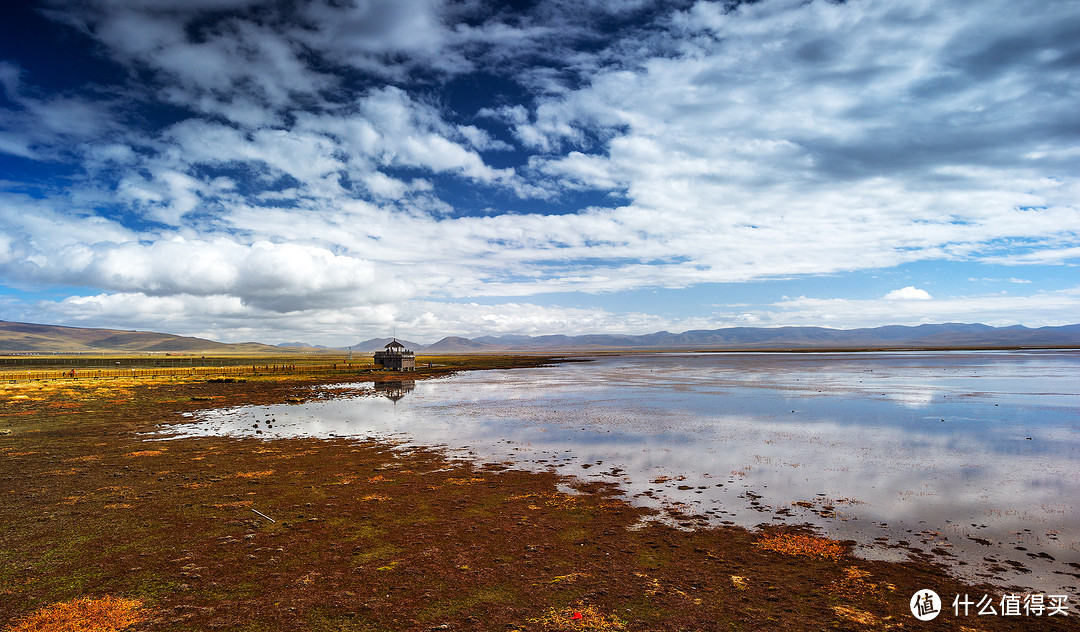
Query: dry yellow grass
[258, 474]
[798, 544]
[856, 615]
[465, 481]
[85, 614]
[556, 499]
[568, 578]
[855, 584]
[580, 617]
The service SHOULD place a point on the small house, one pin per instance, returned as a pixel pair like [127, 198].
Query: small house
[396, 357]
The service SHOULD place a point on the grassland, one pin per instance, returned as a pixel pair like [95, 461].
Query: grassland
[361, 536]
[46, 367]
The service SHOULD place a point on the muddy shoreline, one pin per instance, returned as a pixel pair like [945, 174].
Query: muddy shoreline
[368, 537]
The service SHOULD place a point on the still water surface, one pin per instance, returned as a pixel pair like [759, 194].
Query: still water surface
[971, 458]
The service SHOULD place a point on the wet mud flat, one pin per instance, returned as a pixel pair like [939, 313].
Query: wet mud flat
[355, 534]
[969, 459]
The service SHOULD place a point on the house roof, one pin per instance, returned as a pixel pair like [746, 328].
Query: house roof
[394, 344]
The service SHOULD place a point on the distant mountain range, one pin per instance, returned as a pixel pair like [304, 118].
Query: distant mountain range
[892, 336]
[377, 344]
[31, 338]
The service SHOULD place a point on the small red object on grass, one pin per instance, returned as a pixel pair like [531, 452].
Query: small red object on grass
[576, 615]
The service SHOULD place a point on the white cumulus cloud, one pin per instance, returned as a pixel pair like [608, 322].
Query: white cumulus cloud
[909, 293]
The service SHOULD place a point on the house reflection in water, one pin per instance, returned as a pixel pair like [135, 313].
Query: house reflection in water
[394, 389]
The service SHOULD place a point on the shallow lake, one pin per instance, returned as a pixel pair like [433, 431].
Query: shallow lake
[971, 458]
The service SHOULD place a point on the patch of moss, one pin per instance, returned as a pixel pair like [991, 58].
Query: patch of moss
[231, 591]
[332, 621]
[355, 531]
[653, 558]
[573, 534]
[375, 553]
[471, 601]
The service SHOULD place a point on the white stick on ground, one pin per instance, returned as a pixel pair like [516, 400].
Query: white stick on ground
[264, 515]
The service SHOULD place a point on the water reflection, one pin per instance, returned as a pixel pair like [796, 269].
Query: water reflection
[971, 458]
[394, 390]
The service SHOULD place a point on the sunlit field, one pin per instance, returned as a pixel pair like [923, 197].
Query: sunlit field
[108, 525]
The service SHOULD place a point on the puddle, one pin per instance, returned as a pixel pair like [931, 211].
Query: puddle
[968, 458]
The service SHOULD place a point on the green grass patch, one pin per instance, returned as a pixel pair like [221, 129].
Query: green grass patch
[232, 592]
[653, 558]
[448, 608]
[354, 531]
[573, 534]
[376, 553]
[331, 621]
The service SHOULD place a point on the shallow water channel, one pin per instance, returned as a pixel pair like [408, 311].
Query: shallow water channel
[971, 458]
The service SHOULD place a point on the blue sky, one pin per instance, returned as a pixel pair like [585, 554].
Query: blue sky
[327, 171]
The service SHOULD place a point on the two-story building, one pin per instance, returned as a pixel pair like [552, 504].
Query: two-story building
[396, 357]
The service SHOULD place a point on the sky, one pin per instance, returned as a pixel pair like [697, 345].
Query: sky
[327, 171]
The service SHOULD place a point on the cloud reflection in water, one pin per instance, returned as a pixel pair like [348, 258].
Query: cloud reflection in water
[973, 454]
